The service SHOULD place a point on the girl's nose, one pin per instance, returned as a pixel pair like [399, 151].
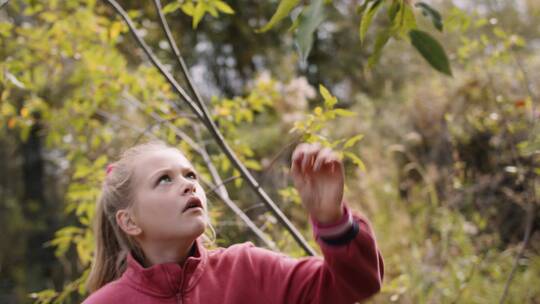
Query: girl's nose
[189, 187]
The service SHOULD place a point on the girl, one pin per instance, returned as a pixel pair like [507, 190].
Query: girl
[153, 211]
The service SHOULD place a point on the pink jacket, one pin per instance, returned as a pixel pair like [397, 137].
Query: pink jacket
[352, 270]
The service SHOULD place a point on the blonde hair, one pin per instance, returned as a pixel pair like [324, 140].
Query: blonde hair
[112, 245]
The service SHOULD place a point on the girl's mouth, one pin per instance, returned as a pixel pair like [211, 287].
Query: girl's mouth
[193, 203]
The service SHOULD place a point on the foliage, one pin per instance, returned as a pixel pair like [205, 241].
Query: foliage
[451, 162]
[402, 21]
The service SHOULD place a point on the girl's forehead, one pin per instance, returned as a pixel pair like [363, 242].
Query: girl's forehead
[163, 158]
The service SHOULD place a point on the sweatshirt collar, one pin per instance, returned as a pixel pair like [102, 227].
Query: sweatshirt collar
[167, 279]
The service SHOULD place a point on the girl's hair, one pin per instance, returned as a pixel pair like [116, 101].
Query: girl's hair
[112, 244]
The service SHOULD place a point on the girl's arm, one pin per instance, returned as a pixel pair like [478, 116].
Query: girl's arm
[352, 268]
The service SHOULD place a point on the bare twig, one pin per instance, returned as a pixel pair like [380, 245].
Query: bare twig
[180, 59]
[529, 230]
[125, 123]
[212, 128]
[224, 182]
[224, 196]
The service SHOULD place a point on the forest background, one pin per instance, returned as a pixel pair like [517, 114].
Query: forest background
[441, 142]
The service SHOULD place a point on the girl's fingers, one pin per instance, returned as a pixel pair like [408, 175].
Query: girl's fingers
[322, 157]
[297, 157]
[310, 152]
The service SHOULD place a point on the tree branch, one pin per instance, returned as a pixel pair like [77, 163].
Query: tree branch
[212, 128]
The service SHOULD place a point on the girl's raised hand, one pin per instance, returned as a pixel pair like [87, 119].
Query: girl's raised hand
[318, 176]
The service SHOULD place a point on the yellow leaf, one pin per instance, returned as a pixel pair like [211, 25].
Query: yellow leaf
[343, 112]
[356, 160]
[329, 100]
[351, 141]
[12, 122]
[115, 30]
[223, 7]
[188, 8]
[198, 13]
[213, 11]
[24, 112]
[318, 111]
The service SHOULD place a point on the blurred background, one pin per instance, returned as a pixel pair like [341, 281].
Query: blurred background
[451, 178]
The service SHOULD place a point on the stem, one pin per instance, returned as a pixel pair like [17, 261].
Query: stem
[529, 230]
[180, 59]
[212, 128]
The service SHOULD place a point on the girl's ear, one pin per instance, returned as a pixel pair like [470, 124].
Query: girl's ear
[126, 223]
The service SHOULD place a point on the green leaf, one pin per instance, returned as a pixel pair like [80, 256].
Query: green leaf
[433, 14]
[407, 21]
[356, 160]
[252, 164]
[188, 9]
[310, 19]
[198, 13]
[283, 10]
[353, 140]
[394, 9]
[380, 42]
[171, 7]
[329, 99]
[431, 50]
[343, 112]
[223, 7]
[362, 8]
[213, 11]
[367, 18]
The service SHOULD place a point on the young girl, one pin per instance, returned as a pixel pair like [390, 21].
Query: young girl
[153, 211]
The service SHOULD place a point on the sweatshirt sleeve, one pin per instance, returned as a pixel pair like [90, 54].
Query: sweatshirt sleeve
[351, 270]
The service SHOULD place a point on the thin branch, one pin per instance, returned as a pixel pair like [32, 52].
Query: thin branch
[277, 155]
[180, 59]
[224, 196]
[146, 130]
[224, 182]
[154, 59]
[529, 230]
[212, 128]
[124, 123]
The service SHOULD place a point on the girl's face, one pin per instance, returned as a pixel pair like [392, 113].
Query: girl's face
[169, 203]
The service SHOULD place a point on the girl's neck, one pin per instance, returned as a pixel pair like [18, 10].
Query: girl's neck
[164, 253]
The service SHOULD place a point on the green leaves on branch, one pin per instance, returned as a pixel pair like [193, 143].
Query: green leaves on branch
[314, 128]
[198, 8]
[403, 26]
[305, 24]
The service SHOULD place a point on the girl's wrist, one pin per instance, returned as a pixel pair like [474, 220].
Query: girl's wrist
[328, 218]
[335, 228]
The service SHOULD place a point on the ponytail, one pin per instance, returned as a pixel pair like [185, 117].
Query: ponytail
[109, 260]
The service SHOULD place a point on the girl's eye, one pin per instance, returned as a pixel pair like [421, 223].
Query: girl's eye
[191, 175]
[164, 179]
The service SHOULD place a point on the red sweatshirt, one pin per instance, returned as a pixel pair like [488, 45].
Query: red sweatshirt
[352, 270]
